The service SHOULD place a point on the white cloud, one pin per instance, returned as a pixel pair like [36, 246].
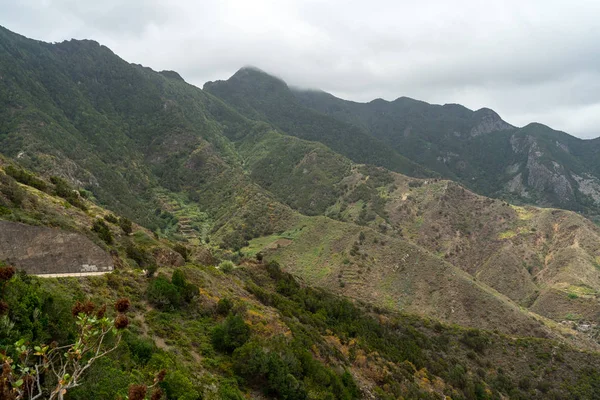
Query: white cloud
[529, 60]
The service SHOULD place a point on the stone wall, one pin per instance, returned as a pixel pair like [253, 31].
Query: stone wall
[41, 250]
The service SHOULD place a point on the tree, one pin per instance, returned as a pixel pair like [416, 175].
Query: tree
[178, 278]
[226, 266]
[231, 334]
[163, 294]
[34, 368]
[126, 225]
[103, 231]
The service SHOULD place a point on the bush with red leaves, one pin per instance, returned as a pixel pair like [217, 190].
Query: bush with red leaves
[6, 273]
[122, 305]
[86, 308]
[101, 312]
[121, 322]
[137, 392]
[157, 394]
[161, 376]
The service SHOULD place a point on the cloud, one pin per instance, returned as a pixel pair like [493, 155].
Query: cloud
[530, 61]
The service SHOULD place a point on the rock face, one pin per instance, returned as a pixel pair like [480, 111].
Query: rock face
[41, 250]
[489, 122]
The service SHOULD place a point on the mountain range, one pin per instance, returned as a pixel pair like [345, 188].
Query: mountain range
[472, 240]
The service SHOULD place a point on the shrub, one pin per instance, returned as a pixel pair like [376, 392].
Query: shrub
[228, 392]
[11, 190]
[26, 178]
[189, 292]
[224, 305]
[231, 334]
[103, 231]
[178, 278]
[184, 251]
[163, 294]
[361, 237]
[151, 270]
[475, 339]
[178, 386]
[111, 218]
[64, 190]
[141, 348]
[226, 266]
[126, 225]
[140, 256]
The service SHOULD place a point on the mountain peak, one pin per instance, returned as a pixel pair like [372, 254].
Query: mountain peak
[255, 73]
[172, 75]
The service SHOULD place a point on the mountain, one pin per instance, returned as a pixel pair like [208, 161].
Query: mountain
[145, 144]
[533, 164]
[260, 96]
[270, 250]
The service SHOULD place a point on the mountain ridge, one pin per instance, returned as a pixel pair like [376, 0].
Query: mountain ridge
[291, 263]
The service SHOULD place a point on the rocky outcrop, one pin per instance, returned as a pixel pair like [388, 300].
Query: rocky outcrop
[489, 122]
[542, 176]
[588, 185]
[41, 250]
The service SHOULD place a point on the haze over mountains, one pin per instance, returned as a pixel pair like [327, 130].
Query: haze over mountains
[381, 202]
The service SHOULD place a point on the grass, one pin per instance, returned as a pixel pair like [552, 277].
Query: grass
[507, 235]
[522, 213]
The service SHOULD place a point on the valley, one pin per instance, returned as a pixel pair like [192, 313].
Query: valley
[283, 243]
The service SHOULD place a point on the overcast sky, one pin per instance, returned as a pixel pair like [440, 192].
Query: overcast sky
[529, 60]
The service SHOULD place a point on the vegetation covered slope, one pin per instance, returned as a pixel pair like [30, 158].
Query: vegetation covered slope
[544, 259]
[533, 164]
[255, 332]
[120, 131]
[260, 96]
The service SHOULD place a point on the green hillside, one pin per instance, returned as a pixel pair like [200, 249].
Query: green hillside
[533, 164]
[270, 246]
[260, 96]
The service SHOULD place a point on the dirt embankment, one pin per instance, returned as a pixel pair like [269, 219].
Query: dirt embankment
[41, 250]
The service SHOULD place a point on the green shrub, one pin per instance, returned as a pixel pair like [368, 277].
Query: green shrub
[111, 218]
[226, 266]
[179, 386]
[184, 251]
[141, 348]
[103, 231]
[178, 278]
[151, 270]
[231, 334]
[163, 294]
[10, 189]
[26, 178]
[189, 292]
[126, 225]
[229, 392]
[224, 305]
[475, 340]
[139, 255]
[64, 190]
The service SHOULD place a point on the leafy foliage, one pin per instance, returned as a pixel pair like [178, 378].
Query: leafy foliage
[231, 334]
[103, 231]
